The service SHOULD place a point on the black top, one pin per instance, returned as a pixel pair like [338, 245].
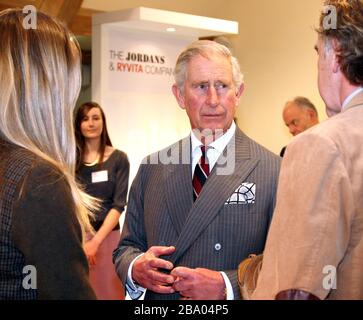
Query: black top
[107, 181]
[41, 254]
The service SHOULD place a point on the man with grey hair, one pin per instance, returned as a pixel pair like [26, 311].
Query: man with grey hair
[299, 114]
[315, 244]
[190, 221]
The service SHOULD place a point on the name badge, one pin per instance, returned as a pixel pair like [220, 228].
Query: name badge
[99, 176]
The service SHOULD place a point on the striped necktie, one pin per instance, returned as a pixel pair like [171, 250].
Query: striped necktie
[201, 174]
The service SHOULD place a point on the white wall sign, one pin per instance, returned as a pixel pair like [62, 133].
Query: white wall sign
[137, 61]
[134, 77]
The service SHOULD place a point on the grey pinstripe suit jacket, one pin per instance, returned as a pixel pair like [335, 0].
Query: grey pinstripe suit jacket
[207, 233]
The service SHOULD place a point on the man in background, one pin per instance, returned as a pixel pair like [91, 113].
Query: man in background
[299, 114]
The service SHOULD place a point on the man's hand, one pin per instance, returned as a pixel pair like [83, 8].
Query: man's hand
[199, 284]
[145, 270]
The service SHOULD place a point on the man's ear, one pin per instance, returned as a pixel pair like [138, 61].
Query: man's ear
[311, 113]
[335, 60]
[239, 92]
[179, 96]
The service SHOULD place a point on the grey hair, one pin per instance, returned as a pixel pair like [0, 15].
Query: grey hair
[205, 48]
[303, 102]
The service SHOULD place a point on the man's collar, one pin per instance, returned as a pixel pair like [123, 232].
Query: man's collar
[218, 144]
[348, 99]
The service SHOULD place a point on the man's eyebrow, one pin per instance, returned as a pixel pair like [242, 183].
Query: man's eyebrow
[200, 82]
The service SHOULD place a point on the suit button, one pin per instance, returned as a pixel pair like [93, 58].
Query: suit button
[217, 246]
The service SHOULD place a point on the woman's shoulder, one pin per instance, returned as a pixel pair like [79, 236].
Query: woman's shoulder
[15, 161]
[115, 154]
[46, 183]
[44, 170]
[24, 169]
[43, 175]
[38, 168]
[14, 155]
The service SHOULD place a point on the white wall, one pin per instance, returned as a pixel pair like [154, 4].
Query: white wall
[275, 48]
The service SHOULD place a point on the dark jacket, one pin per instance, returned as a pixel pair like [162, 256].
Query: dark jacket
[41, 254]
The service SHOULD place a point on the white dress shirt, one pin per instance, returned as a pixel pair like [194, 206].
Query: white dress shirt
[351, 96]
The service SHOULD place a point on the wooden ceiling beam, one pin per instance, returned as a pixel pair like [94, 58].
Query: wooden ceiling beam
[64, 10]
[82, 23]
[78, 19]
[6, 4]
[18, 3]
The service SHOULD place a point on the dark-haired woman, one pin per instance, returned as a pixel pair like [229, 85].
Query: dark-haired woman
[104, 172]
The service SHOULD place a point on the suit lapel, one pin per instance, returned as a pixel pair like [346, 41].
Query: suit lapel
[178, 186]
[215, 192]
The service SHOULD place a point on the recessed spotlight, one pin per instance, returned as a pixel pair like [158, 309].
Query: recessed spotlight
[171, 29]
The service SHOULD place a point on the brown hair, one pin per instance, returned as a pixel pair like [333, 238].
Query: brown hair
[349, 36]
[105, 139]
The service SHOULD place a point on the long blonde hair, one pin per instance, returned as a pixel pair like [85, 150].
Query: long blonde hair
[40, 79]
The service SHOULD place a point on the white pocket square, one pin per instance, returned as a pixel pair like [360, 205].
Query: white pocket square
[244, 194]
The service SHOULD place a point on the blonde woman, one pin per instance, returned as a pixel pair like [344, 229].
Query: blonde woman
[104, 172]
[42, 212]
